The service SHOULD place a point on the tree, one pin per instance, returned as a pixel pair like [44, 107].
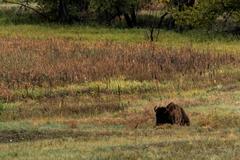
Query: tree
[63, 11]
[108, 10]
[67, 11]
[25, 4]
[181, 3]
[171, 12]
[207, 12]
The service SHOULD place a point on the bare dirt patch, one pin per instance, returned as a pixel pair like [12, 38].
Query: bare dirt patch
[24, 136]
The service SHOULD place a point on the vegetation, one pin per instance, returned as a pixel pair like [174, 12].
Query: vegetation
[89, 91]
[221, 15]
[181, 14]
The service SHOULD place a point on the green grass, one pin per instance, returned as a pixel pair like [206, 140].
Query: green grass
[27, 25]
[161, 145]
[196, 39]
[15, 125]
[214, 134]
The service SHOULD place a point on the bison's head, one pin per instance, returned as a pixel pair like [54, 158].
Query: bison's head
[162, 115]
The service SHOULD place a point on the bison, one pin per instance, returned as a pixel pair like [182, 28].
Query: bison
[171, 114]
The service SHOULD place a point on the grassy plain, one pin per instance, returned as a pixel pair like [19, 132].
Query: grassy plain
[85, 92]
[196, 39]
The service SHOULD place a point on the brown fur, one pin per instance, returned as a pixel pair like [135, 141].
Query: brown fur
[172, 114]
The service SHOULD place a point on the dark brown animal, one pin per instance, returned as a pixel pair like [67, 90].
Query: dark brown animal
[171, 114]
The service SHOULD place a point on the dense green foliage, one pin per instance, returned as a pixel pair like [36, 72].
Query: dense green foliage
[63, 10]
[217, 14]
[67, 11]
[180, 14]
[109, 10]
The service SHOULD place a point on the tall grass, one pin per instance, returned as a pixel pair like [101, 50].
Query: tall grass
[28, 64]
[54, 61]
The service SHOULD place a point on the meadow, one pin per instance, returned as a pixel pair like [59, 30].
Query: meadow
[88, 92]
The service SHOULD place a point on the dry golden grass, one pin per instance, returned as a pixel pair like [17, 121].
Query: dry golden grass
[29, 63]
[34, 62]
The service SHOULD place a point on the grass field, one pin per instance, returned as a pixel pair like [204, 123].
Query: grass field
[88, 92]
[196, 39]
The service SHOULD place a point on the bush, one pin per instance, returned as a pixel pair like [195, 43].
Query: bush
[206, 14]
